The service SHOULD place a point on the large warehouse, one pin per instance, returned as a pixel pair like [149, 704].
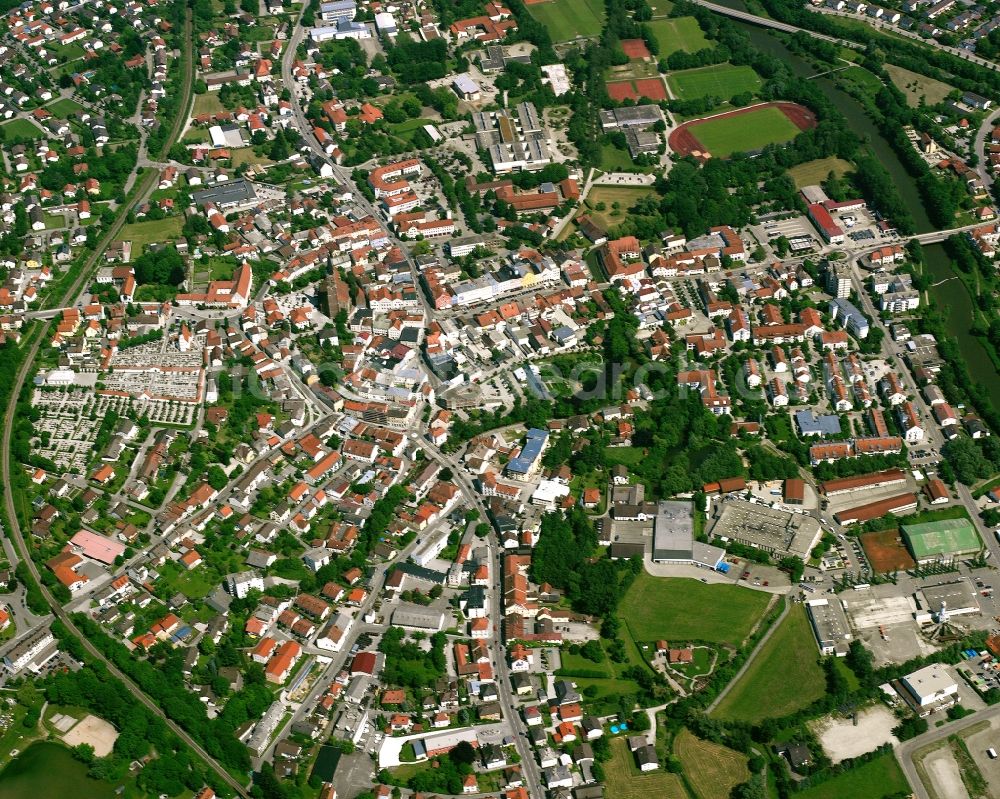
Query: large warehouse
[673, 538]
[941, 541]
[830, 626]
[772, 530]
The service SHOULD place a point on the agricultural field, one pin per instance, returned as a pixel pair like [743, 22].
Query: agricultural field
[625, 781]
[916, 86]
[719, 80]
[712, 770]
[152, 231]
[873, 780]
[679, 610]
[783, 677]
[746, 132]
[814, 172]
[678, 33]
[568, 19]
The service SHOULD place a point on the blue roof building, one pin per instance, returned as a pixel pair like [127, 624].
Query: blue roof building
[527, 463]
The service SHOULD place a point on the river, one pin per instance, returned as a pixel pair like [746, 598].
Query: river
[950, 294]
[46, 770]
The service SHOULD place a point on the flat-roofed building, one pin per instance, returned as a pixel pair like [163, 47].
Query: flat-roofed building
[829, 625]
[636, 116]
[940, 602]
[930, 688]
[673, 531]
[514, 138]
[772, 530]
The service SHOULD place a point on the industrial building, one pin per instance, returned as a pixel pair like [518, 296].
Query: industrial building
[775, 531]
[902, 503]
[928, 689]
[941, 541]
[830, 626]
[938, 603]
[673, 537]
[229, 196]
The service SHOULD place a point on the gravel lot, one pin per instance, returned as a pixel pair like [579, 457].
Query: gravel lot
[841, 739]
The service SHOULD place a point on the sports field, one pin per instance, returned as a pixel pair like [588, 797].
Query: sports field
[678, 610]
[567, 19]
[649, 88]
[784, 676]
[747, 132]
[719, 80]
[887, 552]
[875, 779]
[712, 770]
[623, 780]
[677, 33]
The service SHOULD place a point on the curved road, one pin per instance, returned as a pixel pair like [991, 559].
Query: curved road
[905, 751]
[34, 342]
[765, 22]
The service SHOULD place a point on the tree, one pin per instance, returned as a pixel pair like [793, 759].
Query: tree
[751, 789]
[216, 477]
[463, 754]
[165, 267]
[592, 651]
[910, 727]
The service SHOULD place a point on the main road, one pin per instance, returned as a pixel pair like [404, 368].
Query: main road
[33, 343]
[342, 174]
[773, 24]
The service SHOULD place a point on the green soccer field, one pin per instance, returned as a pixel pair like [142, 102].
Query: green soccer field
[720, 80]
[677, 33]
[744, 132]
[567, 19]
